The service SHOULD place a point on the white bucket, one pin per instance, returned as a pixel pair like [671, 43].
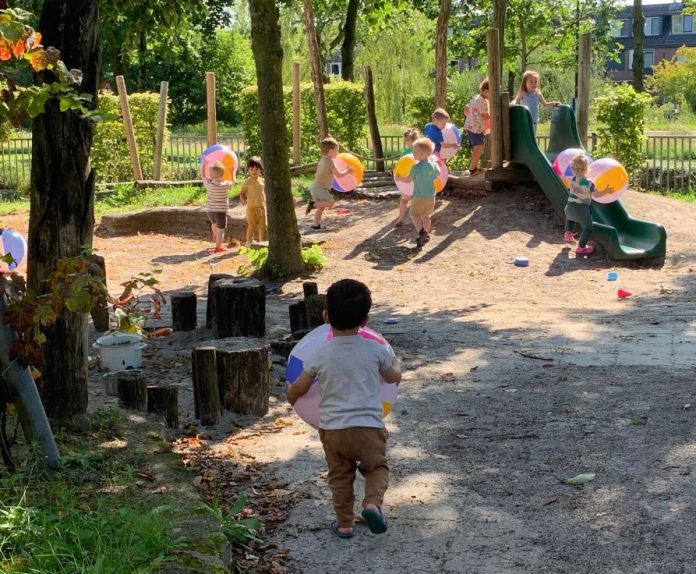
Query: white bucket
[120, 351]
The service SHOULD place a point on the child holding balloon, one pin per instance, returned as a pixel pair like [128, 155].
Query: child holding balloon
[253, 196]
[476, 116]
[410, 136]
[351, 426]
[530, 96]
[433, 130]
[326, 170]
[217, 190]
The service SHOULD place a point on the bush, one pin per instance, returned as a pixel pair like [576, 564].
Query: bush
[345, 109]
[676, 81]
[621, 116]
[110, 157]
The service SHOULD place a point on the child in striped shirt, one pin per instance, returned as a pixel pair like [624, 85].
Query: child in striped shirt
[217, 190]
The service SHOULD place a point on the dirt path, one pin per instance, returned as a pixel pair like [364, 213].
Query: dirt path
[515, 378]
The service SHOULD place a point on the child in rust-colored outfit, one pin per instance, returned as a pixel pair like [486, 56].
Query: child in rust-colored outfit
[253, 196]
[351, 427]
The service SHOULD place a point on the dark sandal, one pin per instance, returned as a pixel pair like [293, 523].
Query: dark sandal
[375, 521]
[337, 532]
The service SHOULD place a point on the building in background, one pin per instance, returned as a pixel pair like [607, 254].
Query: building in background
[667, 28]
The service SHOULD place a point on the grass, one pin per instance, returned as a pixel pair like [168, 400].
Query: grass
[96, 515]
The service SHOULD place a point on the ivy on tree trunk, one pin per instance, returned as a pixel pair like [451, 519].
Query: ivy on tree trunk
[284, 253]
[61, 214]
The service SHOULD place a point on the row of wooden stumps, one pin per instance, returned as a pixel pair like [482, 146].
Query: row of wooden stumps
[136, 393]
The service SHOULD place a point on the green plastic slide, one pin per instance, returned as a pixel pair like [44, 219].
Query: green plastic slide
[620, 235]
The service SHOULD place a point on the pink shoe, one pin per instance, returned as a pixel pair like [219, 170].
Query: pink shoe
[219, 249]
[585, 250]
[568, 237]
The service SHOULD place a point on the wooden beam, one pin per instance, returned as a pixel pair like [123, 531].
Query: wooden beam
[505, 121]
[584, 74]
[128, 124]
[372, 118]
[159, 137]
[296, 115]
[494, 67]
[210, 105]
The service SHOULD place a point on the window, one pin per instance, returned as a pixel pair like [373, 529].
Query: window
[335, 68]
[454, 64]
[653, 26]
[648, 59]
[682, 24]
[619, 28]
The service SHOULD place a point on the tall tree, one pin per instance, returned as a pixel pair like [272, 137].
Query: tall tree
[441, 61]
[284, 238]
[61, 215]
[638, 36]
[348, 45]
[316, 68]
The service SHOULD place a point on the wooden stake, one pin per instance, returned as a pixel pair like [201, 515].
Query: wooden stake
[164, 401]
[505, 121]
[159, 137]
[584, 73]
[184, 311]
[128, 124]
[210, 104]
[372, 118]
[296, 115]
[132, 390]
[206, 393]
[244, 380]
[494, 66]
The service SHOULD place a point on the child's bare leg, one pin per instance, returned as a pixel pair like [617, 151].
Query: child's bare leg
[426, 222]
[213, 231]
[417, 223]
[320, 206]
[219, 236]
[476, 153]
[403, 207]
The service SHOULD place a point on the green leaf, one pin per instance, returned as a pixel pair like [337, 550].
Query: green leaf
[580, 479]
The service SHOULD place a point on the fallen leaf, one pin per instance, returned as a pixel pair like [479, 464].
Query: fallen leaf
[580, 479]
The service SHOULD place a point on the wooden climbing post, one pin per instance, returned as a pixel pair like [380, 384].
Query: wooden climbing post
[505, 124]
[296, 115]
[584, 73]
[494, 67]
[128, 124]
[210, 106]
[159, 136]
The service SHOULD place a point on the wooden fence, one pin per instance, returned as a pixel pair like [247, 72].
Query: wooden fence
[670, 161]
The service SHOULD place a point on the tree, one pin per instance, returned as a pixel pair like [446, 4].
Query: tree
[348, 45]
[316, 68]
[638, 36]
[61, 215]
[441, 61]
[284, 252]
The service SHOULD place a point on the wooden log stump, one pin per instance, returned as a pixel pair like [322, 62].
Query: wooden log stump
[239, 308]
[206, 395]
[132, 390]
[244, 379]
[310, 288]
[164, 401]
[100, 310]
[212, 278]
[315, 305]
[184, 311]
[298, 316]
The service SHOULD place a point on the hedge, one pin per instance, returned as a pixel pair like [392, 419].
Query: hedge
[345, 110]
[110, 156]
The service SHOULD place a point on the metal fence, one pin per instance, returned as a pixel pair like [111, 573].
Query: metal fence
[670, 161]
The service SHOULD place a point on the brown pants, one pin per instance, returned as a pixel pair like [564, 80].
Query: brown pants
[348, 450]
[256, 222]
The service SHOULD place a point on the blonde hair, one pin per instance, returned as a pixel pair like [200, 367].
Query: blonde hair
[484, 85]
[327, 144]
[523, 86]
[580, 165]
[440, 114]
[411, 135]
[424, 144]
[216, 169]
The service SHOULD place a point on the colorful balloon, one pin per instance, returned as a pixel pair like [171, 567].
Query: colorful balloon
[307, 407]
[403, 169]
[441, 180]
[450, 135]
[12, 243]
[607, 172]
[349, 181]
[563, 161]
[224, 155]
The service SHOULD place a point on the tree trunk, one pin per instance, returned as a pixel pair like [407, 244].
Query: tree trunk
[244, 380]
[523, 49]
[164, 401]
[638, 37]
[240, 308]
[206, 391]
[499, 11]
[132, 390]
[184, 311]
[209, 309]
[142, 50]
[61, 214]
[372, 119]
[441, 62]
[284, 252]
[314, 58]
[348, 45]
[314, 307]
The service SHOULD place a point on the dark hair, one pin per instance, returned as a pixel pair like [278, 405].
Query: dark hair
[348, 302]
[254, 161]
